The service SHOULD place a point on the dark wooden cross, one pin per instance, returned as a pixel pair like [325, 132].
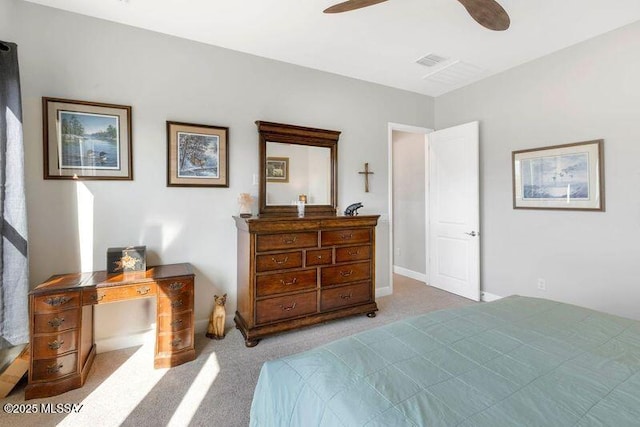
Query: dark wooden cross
[366, 174]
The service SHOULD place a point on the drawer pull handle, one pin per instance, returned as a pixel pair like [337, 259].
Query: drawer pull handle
[289, 240]
[348, 296]
[176, 286]
[293, 282]
[56, 322]
[288, 307]
[97, 297]
[281, 261]
[176, 342]
[55, 368]
[56, 301]
[318, 256]
[56, 344]
[176, 323]
[346, 273]
[346, 236]
[143, 291]
[354, 252]
[176, 304]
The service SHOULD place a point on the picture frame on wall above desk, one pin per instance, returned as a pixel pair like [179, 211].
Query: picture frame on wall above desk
[560, 177]
[86, 140]
[197, 155]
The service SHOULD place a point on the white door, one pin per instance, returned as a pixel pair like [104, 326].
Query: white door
[454, 210]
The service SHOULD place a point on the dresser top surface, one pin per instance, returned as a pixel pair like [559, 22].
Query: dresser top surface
[100, 279]
[289, 223]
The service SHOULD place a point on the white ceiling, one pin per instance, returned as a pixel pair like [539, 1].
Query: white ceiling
[378, 44]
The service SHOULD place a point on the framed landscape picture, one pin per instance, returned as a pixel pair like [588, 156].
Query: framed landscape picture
[86, 140]
[277, 169]
[569, 177]
[198, 155]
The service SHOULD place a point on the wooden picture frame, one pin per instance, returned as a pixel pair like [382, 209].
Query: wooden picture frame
[85, 140]
[562, 177]
[277, 169]
[198, 155]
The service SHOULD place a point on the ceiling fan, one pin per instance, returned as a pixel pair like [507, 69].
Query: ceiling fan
[487, 13]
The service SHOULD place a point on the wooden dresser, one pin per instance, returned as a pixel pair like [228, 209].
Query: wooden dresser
[61, 322]
[294, 272]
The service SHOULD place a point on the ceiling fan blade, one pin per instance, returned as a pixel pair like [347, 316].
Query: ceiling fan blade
[351, 5]
[487, 13]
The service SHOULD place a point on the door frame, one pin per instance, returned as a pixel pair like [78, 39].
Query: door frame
[412, 129]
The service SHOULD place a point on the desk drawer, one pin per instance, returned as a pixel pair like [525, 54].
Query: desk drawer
[346, 237]
[51, 345]
[51, 369]
[271, 284]
[274, 242]
[281, 308]
[353, 253]
[55, 302]
[345, 296]
[281, 261]
[55, 322]
[173, 287]
[176, 303]
[117, 293]
[345, 273]
[176, 322]
[176, 341]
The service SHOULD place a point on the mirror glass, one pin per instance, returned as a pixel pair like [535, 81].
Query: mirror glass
[294, 170]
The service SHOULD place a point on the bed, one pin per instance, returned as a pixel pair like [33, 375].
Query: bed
[518, 361]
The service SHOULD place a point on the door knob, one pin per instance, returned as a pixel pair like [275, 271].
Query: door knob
[472, 234]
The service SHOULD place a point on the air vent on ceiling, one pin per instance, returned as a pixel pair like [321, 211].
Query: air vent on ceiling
[454, 74]
[431, 60]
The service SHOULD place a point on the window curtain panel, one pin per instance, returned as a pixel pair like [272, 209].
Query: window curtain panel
[14, 266]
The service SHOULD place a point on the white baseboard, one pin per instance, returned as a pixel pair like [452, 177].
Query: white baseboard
[487, 297]
[383, 292]
[410, 273]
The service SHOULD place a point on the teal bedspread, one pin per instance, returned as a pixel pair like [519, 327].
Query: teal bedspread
[515, 362]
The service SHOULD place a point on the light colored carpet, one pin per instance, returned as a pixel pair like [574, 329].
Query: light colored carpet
[216, 389]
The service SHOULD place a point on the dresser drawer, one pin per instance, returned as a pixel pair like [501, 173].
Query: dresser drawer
[176, 322]
[55, 302]
[280, 308]
[176, 341]
[345, 296]
[346, 237]
[56, 322]
[174, 287]
[119, 293]
[51, 345]
[274, 242]
[345, 273]
[353, 253]
[175, 303]
[270, 284]
[278, 261]
[318, 257]
[50, 369]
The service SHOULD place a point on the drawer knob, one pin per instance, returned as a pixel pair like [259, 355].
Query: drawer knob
[56, 322]
[280, 261]
[289, 240]
[176, 323]
[346, 236]
[97, 297]
[56, 301]
[293, 282]
[55, 368]
[348, 296]
[346, 273]
[176, 304]
[318, 256]
[288, 307]
[176, 342]
[56, 344]
[176, 286]
[144, 290]
[353, 252]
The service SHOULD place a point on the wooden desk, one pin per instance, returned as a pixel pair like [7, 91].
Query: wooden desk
[61, 322]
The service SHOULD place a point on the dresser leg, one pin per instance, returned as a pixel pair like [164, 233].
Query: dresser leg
[371, 315]
[251, 343]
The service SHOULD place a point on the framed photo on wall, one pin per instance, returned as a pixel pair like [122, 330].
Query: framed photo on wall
[277, 169]
[569, 177]
[198, 155]
[86, 140]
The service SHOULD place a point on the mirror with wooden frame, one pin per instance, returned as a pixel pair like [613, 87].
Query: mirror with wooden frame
[297, 163]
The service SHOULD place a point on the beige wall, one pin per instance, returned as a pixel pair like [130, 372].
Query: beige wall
[588, 91]
[166, 78]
